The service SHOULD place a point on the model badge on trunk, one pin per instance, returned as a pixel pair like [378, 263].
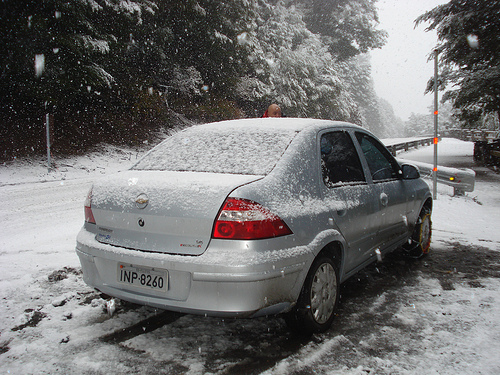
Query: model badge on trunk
[142, 201]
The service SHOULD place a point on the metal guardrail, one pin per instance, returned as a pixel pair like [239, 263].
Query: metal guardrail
[461, 179]
[404, 144]
[472, 135]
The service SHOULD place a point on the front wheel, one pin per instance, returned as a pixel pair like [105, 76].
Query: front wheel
[318, 299]
[421, 237]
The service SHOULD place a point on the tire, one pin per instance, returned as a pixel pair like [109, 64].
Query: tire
[421, 237]
[315, 309]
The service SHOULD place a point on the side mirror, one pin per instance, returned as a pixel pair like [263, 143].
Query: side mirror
[410, 172]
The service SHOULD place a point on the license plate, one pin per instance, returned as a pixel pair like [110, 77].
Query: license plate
[143, 277]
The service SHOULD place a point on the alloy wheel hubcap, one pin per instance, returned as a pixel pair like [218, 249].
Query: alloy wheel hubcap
[323, 293]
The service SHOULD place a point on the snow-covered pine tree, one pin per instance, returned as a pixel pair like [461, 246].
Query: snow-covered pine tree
[293, 67]
[468, 45]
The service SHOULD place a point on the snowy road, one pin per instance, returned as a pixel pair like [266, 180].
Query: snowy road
[403, 316]
[31, 214]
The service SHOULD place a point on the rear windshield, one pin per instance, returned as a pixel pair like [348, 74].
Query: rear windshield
[233, 150]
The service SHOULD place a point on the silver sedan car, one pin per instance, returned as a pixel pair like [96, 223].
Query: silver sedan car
[252, 217]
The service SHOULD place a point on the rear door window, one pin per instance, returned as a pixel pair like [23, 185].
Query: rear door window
[339, 160]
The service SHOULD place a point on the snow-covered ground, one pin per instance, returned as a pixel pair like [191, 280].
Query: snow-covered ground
[440, 319]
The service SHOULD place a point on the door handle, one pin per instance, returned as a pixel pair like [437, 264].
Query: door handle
[384, 199]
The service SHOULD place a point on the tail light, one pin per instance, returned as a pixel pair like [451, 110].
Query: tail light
[89, 216]
[242, 219]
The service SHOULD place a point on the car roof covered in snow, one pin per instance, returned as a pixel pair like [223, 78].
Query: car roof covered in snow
[247, 146]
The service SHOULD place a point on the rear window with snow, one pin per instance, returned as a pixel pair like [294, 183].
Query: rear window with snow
[234, 150]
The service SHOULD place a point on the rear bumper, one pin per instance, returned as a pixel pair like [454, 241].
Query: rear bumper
[220, 282]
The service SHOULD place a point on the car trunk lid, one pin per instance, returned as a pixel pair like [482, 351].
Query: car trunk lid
[161, 211]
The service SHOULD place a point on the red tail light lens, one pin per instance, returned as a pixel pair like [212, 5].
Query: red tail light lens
[89, 216]
[242, 219]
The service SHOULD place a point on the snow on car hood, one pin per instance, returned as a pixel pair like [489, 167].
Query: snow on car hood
[164, 211]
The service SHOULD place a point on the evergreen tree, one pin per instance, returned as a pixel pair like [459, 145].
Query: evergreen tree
[349, 27]
[55, 57]
[357, 73]
[294, 68]
[203, 42]
[469, 48]
[419, 125]
[393, 126]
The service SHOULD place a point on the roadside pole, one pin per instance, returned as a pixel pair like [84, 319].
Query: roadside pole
[436, 112]
[47, 131]
[39, 70]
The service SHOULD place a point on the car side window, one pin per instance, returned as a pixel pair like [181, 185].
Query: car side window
[381, 163]
[339, 159]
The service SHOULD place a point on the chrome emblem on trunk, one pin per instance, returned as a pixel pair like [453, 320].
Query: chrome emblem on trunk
[142, 201]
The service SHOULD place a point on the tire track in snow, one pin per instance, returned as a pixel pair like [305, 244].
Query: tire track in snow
[144, 326]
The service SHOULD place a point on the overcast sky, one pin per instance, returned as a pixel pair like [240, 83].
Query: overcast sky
[400, 69]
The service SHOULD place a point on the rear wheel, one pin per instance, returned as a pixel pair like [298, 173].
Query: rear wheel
[421, 237]
[318, 299]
